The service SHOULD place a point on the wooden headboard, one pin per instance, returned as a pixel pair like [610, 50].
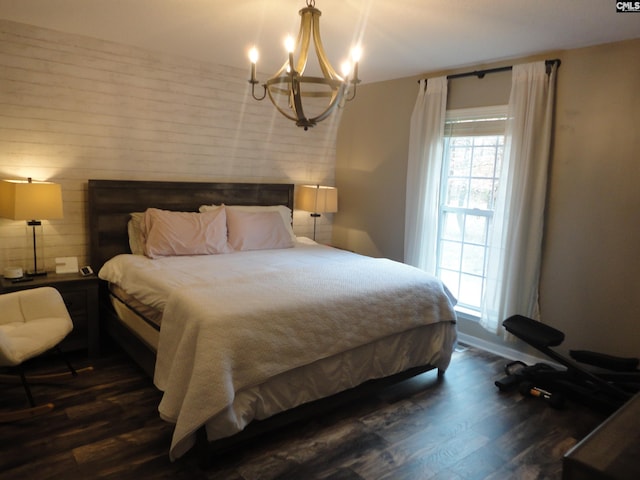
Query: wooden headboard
[111, 202]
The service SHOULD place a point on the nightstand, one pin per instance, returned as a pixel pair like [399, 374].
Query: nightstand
[80, 295]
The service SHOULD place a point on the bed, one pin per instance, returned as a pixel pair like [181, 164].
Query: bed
[258, 332]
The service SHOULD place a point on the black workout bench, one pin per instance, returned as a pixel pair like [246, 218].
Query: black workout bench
[607, 388]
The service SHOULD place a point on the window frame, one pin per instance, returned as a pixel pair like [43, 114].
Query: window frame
[470, 122]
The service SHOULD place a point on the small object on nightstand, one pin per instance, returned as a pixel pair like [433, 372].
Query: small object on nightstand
[13, 272]
[22, 279]
[86, 270]
[67, 265]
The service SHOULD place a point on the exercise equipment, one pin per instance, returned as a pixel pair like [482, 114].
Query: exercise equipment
[528, 389]
[607, 387]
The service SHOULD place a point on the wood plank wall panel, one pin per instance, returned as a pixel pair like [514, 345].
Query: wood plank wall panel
[74, 108]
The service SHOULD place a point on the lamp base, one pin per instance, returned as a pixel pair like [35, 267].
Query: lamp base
[39, 273]
[315, 218]
[35, 243]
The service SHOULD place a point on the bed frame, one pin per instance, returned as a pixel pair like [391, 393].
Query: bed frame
[112, 201]
[110, 205]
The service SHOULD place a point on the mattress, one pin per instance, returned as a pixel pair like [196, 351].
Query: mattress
[188, 400]
[143, 321]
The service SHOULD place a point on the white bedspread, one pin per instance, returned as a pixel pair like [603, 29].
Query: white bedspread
[233, 321]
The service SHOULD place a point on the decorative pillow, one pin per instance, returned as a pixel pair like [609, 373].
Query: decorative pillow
[256, 230]
[136, 233]
[184, 233]
[285, 213]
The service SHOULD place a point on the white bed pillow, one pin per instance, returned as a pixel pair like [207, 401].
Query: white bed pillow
[170, 233]
[285, 213]
[136, 233]
[256, 230]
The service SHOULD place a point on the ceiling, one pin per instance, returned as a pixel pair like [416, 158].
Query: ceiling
[399, 38]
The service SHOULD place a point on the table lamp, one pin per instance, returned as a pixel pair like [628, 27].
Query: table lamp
[317, 199]
[20, 200]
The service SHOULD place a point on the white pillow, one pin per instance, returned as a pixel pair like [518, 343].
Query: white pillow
[256, 230]
[285, 213]
[136, 233]
[170, 233]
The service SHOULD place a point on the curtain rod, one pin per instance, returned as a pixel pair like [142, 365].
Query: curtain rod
[482, 73]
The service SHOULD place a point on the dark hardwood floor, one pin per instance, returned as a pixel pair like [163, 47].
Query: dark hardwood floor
[106, 425]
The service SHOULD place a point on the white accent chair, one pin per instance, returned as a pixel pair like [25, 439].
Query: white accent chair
[31, 322]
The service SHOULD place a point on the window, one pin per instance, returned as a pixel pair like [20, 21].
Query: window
[473, 153]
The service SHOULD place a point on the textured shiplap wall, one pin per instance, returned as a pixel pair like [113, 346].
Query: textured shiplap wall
[74, 108]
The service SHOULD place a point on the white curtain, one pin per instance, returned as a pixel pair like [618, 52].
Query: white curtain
[516, 237]
[423, 174]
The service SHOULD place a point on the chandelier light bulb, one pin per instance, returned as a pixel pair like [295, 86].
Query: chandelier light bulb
[346, 68]
[253, 55]
[289, 44]
[356, 54]
[253, 58]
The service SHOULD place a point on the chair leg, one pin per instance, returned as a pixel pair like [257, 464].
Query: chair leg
[46, 377]
[64, 358]
[25, 384]
[35, 410]
[32, 411]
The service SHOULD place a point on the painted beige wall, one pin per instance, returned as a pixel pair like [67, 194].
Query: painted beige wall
[590, 286]
[591, 269]
[372, 167]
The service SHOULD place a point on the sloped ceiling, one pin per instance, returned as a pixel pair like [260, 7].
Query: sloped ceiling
[399, 37]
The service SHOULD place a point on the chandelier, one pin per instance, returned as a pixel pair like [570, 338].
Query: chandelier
[322, 90]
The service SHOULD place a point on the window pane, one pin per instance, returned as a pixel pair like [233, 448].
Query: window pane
[488, 140]
[470, 290]
[475, 230]
[460, 161]
[484, 160]
[457, 191]
[461, 141]
[499, 155]
[452, 226]
[452, 281]
[450, 255]
[473, 259]
[481, 195]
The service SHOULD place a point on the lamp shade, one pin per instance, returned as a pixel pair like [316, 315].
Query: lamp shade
[317, 199]
[30, 200]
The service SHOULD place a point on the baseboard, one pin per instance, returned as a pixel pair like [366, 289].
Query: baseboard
[503, 351]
